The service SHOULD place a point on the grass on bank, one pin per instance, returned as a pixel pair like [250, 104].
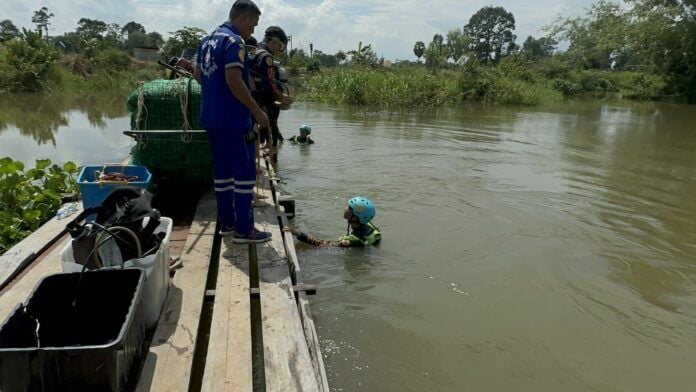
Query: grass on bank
[512, 82]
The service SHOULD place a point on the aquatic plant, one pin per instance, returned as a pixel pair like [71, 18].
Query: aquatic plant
[28, 198]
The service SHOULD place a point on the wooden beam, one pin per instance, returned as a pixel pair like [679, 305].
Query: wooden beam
[22, 254]
[228, 365]
[309, 289]
[305, 312]
[287, 363]
[310, 331]
[168, 364]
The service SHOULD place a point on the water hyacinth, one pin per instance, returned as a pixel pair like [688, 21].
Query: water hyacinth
[28, 198]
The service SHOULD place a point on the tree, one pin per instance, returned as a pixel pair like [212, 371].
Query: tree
[136, 39]
[419, 49]
[8, 30]
[490, 29]
[42, 19]
[457, 44]
[131, 27]
[28, 60]
[537, 48]
[340, 56]
[91, 28]
[325, 60]
[188, 37]
[438, 40]
[70, 42]
[363, 56]
[154, 40]
[114, 36]
[435, 56]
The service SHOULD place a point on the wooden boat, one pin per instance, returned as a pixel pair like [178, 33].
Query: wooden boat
[232, 311]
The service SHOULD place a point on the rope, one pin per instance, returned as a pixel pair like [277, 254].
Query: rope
[141, 106]
[183, 101]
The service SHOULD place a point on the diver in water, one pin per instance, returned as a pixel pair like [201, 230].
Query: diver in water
[360, 231]
[303, 137]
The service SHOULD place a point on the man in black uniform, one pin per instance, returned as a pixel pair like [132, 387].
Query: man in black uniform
[264, 74]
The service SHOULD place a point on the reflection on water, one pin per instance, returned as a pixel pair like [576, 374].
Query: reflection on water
[524, 249]
[85, 128]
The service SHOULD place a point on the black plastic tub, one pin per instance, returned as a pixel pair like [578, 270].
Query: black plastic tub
[89, 338]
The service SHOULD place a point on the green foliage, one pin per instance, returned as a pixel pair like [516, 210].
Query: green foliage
[457, 45]
[382, 89]
[364, 55]
[112, 60]
[25, 63]
[340, 56]
[91, 28]
[41, 19]
[8, 30]
[652, 37]
[435, 55]
[30, 198]
[509, 83]
[536, 48]
[132, 27]
[490, 29]
[187, 37]
[419, 49]
[323, 60]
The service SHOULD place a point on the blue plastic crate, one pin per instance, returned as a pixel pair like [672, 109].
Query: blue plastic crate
[93, 192]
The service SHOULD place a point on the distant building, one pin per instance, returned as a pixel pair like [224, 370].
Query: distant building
[147, 54]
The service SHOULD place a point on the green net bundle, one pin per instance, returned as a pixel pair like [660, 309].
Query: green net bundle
[174, 158]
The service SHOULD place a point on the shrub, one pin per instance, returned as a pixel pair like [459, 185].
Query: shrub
[112, 60]
[25, 63]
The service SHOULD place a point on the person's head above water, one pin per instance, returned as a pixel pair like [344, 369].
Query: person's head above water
[305, 130]
[360, 210]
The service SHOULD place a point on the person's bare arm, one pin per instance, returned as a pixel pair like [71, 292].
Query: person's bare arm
[233, 76]
[197, 74]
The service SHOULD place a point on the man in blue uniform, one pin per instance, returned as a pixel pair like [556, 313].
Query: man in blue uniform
[227, 106]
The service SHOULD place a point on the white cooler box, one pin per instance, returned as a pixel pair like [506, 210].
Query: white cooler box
[156, 268]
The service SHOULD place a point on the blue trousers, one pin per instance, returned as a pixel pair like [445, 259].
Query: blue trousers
[235, 177]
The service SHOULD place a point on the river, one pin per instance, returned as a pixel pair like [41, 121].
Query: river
[524, 249]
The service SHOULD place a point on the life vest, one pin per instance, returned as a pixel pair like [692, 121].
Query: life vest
[256, 59]
[373, 237]
[295, 139]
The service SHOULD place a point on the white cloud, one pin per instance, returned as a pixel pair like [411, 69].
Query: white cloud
[391, 26]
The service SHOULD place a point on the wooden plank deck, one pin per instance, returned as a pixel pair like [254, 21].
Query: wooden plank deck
[194, 349]
[169, 362]
[287, 363]
[228, 365]
[302, 298]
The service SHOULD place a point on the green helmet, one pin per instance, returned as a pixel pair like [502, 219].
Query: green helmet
[306, 129]
[363, 208]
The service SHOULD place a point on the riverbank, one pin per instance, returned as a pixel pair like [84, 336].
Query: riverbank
[30, 65]
[512, 82]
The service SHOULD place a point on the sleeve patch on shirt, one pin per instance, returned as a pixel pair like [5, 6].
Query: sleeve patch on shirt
[269, 61]
[241, 55]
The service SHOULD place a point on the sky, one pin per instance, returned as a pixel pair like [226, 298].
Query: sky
[391, 26]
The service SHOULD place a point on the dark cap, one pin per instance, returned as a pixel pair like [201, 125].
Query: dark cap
[276, 32]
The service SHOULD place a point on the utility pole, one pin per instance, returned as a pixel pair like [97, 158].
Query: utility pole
[290, 41]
